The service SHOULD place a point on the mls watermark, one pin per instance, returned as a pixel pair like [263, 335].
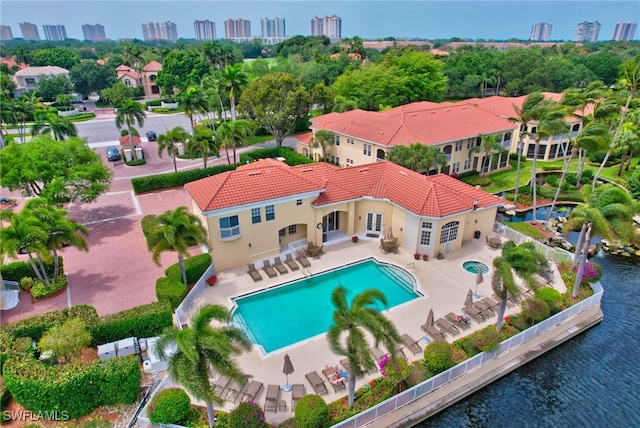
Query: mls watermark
[30, 416]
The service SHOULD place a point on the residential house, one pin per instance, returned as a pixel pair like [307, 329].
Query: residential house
[266, 208]
[27, 79]
[146, 78]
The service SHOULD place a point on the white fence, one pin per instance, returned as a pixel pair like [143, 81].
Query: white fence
[555, 254]
[183, 309]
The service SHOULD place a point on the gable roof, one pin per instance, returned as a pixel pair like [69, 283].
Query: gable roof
[433, 196]
[124, 140]
[48, 70]
[152, 66]
[505, 106]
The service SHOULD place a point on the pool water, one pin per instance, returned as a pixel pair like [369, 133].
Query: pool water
[299, 310]
[472, 267]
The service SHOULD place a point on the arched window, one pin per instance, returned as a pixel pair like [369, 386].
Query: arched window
[449, 232]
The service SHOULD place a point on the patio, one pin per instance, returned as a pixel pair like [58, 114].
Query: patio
[443, 283]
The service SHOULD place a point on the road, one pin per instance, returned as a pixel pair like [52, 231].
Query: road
[104, 130]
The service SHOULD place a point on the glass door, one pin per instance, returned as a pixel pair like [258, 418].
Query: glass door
[374, 222]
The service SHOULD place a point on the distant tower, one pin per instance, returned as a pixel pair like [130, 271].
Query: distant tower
[541, 32]
[5, 32]
[273, 30]
[625, 30]
[159, 31]
[204, 30]
[94, 33]
[587, 32]
[330, 26]
[29, 31]
[237, 29]
[54, 32]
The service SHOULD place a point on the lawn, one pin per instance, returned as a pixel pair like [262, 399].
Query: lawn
[527, 229]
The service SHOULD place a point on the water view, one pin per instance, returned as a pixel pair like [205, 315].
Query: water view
[591, 381]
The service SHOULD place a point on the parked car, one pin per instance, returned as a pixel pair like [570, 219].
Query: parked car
[23, 250]
[151, 136]
[113, 154]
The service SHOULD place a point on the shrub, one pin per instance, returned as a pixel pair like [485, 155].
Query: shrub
[486, 339]
[5, 395]
[176, 179]
[142, 321]
[552, 180]
[481, 180]
[535, 310]
[170, 406]
[592, 272]
[587, 176]
[289, 155]
[551, 297]
[40, 290]
[571, 178]
[598, 157]
[136, 162]
[417, 374]
[437, 356]
[170, 289]
[17, 270]
[466, 345]
[247, 414]
[194, 266]
[35, 326]
[125, 131]
[312, 412]
[66, 340]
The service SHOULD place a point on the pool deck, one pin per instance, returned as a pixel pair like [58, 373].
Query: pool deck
[443, 283]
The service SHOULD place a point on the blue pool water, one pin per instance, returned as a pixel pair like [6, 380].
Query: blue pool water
[296, 311]
[472, 267]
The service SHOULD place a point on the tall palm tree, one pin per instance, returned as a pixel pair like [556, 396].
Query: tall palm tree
[234, 79]
[489, 146]
[523, 116]
[176, 231]
[167, 143]
[418, 156]
[193, 351]
[502, 283]
[23, 110]
[59, 126]
[323, 139]
[629, 140]
[193, 101]
[235, 134]
[630, 81]
[129, 113]
[347, 332]
[204, 142]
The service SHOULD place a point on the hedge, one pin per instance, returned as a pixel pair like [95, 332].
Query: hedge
[34, 327]
[170, 406]
[170, 289]
[17, 270]
[176, 179]
[194, 266]
[142, 321]
[312, 412]
[290, 156]
[73, 389]
[40, 290]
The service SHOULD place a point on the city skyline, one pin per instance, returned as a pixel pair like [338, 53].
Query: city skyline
[367, 19]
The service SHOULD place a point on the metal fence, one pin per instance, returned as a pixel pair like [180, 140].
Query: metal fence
[143, 420]
[556, 254]
[185, 306]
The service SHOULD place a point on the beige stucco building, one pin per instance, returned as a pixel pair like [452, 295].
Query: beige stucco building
[268, 208]
[27, 79]
[146, 78]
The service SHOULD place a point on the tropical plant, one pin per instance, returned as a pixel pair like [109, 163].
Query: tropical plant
[176, 231]
[418, 157]
[351, 321]
[490, 145]
[323, 139]
[234, 79]
[167, 143]
[129, 113]
[234, 134]
[193, 101]
[67, 339]
[204, 142]
[193, 351]
[51, 123]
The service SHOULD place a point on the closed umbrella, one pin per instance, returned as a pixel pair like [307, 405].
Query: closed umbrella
[287, 370]
[389, 235]
[479, 280]
[469, 300]
[429, 322]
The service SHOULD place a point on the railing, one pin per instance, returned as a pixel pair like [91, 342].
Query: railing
[555, 254]
[364, 418]
[143, 419]
[196, 291]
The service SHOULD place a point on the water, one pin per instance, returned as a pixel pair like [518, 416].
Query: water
[302, 309]
[472, 267]
[541, 214]
[591, 381]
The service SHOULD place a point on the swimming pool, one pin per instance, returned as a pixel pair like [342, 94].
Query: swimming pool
[301, 309]
[472, 266]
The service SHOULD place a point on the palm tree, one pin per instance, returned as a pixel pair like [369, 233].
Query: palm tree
[490, 145]
[629, 140]
[418, 156]
[630, 81]
[191, 353]
[22, 109]
[323, 139]
[235, 134]
[129, 113]
[353, 321]
[176, 231]
[502, 283]
[523, 117]
[167, 143]
[193, 101]
[52, 123]
[234, 79]
[204, 142]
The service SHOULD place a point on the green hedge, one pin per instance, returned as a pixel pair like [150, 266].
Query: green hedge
[34, 327]
[142, 321]
[170, 406]
[40, 290]
[17, 270]
[194, 266]
[74, 389]
[170, 289]
[290, 156]
[312, 412]
[176, 179]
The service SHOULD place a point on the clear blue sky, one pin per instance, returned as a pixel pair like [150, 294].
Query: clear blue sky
[367, 19]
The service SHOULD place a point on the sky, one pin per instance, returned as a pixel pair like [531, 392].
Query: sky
[370, 19]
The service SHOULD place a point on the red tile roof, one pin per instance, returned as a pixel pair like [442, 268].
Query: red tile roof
[434, 196]
[124, 140]
[505, 106]
[152, 66]
[304, 138]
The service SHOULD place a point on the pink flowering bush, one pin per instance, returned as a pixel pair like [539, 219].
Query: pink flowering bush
[592, 271]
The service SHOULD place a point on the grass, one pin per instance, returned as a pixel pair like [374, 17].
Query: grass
[526, 229]
[258, 139]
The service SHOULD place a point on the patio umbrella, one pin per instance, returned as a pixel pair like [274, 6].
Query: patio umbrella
[429, 322]
[389, 235]
[469, 300]
[479, 278]
[287, 370]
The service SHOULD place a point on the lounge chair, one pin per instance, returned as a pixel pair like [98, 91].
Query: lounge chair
[447, 326]
[492, 304]
[303, 260]
[221, 384]
[277, 264]
[270, 271]
[457, 320]
[255, 275]
[316, 383]
[291, 264]
[250, 391]
[474, 313]
[485, 309]
[345, 364]
[232, 390]
[296, 394]
[334, 376]
[272, 398]
[377, 353]
[411, 344]
[433, 332]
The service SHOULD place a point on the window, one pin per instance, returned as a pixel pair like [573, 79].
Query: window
[255, 215]
[127, 82]
[425, 237]
[298, 201]
[30, 80]
[469, 143]
[282, 233]
[366, 149]
[458, 146]
[270, 213]
[478, 142]
[349, 140]
[426, 225]
[337, 140]
[455, 167]
[229, 227]
[293, 229]
[467, 164]
[337, 161]
[449, 232]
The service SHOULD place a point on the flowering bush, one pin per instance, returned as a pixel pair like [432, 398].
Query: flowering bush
[247, 414]
[592, 272]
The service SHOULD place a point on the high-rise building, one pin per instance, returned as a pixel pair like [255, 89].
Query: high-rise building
[93, 33]
[159, 31]
[625, 30]
[204, 30]
[330, 26]
[273, 30]
[541, 32]
[237, 29]
[587, 32]
[5, 32]
[54, 32]
[29, 31]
